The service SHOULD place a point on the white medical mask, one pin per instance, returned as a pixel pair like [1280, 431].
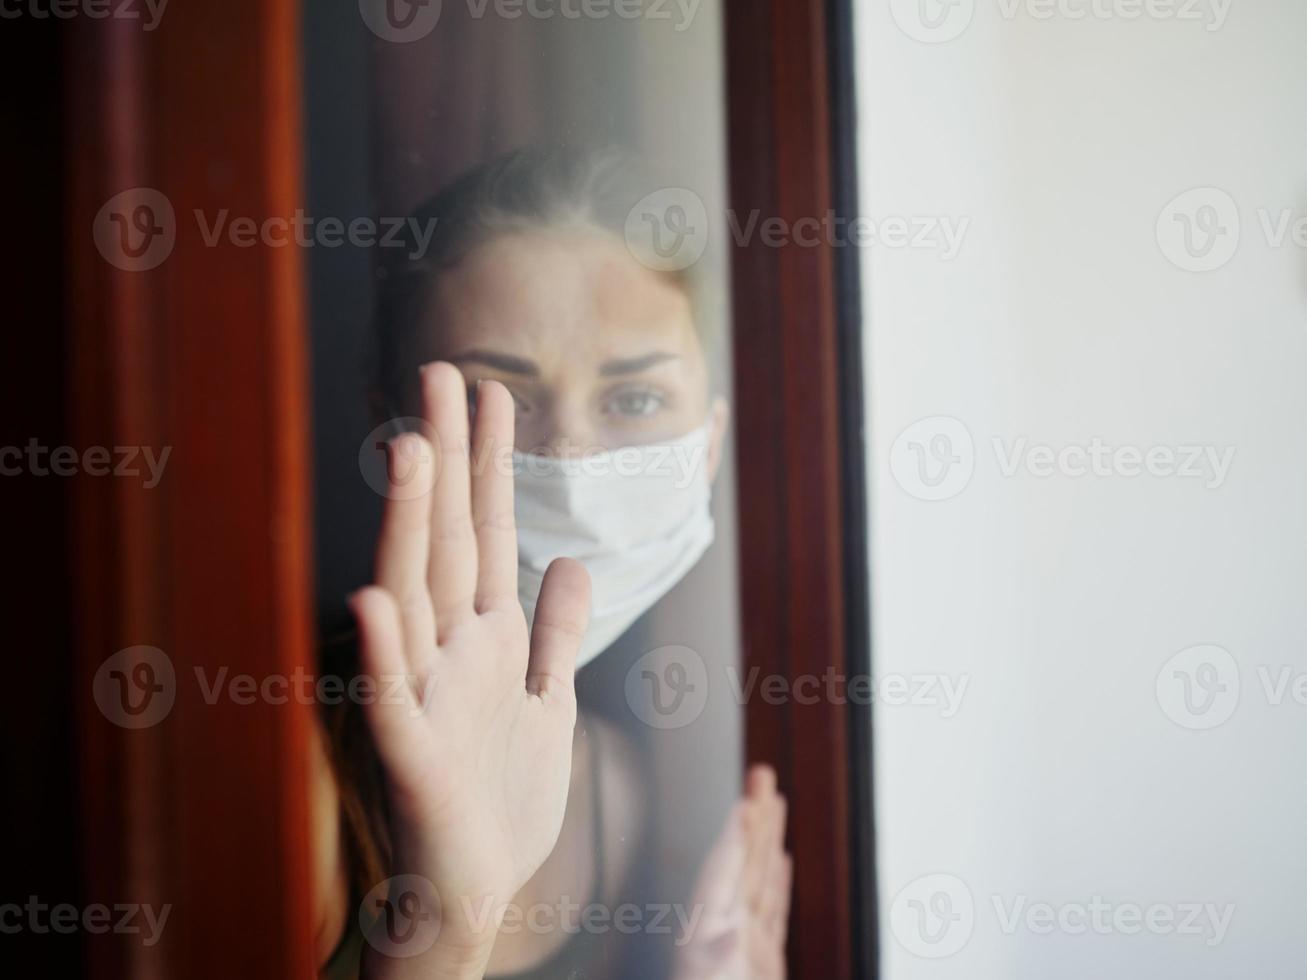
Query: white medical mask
[636, 517]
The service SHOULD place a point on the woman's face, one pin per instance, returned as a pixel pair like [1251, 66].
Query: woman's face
[598, 351]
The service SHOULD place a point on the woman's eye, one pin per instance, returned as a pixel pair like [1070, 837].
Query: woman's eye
[636, 403]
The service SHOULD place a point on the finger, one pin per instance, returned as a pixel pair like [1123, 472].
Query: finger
[452, 562]
[381, 657]
[562, 613]
[401, 562]
[773, 842]
[766, 830]
[760, 782]
[492, 497]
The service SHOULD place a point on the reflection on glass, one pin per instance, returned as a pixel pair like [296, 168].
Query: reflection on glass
[539, 308]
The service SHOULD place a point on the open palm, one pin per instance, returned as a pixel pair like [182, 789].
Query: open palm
[474, 716]
[743, 893]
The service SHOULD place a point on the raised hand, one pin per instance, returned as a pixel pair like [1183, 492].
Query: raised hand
[477, 747]
[744, 892]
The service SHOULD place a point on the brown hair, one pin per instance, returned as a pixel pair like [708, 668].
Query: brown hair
[532, 188]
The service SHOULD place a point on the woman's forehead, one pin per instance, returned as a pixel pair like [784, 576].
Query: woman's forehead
[557, 297]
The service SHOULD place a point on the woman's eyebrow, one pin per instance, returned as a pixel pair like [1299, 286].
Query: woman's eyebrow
[631, 365]
[494, 359]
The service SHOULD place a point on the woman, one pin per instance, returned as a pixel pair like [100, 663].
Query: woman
[545, 344]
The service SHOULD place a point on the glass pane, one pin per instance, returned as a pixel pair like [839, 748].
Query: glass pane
[547, 171]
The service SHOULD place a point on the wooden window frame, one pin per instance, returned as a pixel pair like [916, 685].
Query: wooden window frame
[165, 358]
[206, 811]
[799, 423]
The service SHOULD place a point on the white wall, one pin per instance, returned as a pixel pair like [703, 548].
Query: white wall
[1072, 769]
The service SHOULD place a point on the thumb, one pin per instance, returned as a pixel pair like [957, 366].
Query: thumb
[562, 613]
